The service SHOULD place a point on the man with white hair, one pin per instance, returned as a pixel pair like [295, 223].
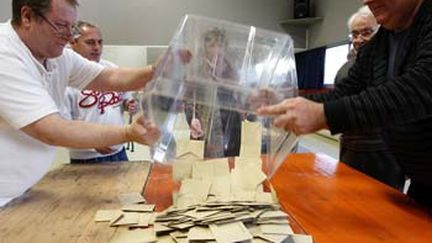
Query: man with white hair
[366, 151]
[362, 26]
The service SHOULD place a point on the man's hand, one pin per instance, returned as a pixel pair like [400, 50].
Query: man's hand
[142, 131]
[298, 115]
[131, 106]
[104, 150]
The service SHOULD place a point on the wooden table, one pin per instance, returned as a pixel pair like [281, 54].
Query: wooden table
[335, 203]
[326, 199]
[61, 207]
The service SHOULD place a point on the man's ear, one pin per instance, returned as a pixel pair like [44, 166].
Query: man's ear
[26, 15]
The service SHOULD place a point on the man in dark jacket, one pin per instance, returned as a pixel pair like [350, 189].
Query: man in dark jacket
[389, 87]
[366, 151]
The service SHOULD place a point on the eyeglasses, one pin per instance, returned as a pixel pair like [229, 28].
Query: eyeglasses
[365, 33]
[60, 30]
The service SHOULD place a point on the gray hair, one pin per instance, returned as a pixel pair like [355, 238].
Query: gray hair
[362, 12]
[79, 26]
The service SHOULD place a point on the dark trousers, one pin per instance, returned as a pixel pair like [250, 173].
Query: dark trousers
[120, 156]
[380, 165]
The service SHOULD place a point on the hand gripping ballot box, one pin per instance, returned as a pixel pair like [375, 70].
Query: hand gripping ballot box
[206, 105]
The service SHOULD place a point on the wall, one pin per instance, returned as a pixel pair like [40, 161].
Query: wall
[152, 22]
[333, 28]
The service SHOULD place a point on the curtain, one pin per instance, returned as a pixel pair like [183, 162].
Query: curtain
[310, 68]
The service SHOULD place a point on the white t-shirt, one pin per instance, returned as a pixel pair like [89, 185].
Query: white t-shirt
[29, 93]
[97, 107]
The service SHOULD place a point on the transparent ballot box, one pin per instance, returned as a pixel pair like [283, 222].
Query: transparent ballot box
[206, 90]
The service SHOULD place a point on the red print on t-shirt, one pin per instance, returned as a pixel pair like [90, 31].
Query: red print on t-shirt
[102, 99]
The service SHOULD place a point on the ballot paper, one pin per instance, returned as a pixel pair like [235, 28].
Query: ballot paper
[230, 232]
[195, 147]
[251, 137]
[135, 236]
[205, 221]
[131, 198]
[197, 188]
[127, 219]
[105, 215]
[139, 208]
[200, 233]
[276, 229]
[182, 169]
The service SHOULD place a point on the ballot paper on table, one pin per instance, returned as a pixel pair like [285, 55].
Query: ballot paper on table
[135, 236]
[138, 208]
[127, 218]
[197, 188]
[230, 232]
[107, 215]
[182, 168]
[131, 198]
[200, 233]
[246, 177]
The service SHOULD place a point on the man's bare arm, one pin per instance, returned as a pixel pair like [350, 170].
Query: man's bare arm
[122, 79]
[54, 130]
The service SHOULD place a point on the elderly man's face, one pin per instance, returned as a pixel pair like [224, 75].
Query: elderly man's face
[393, 14]
[362, 30]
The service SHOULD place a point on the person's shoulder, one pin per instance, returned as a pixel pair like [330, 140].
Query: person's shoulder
[107, 63]
[5, 29]
[14, 54]
[9, 40]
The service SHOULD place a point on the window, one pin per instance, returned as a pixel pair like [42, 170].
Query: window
[335, 57]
